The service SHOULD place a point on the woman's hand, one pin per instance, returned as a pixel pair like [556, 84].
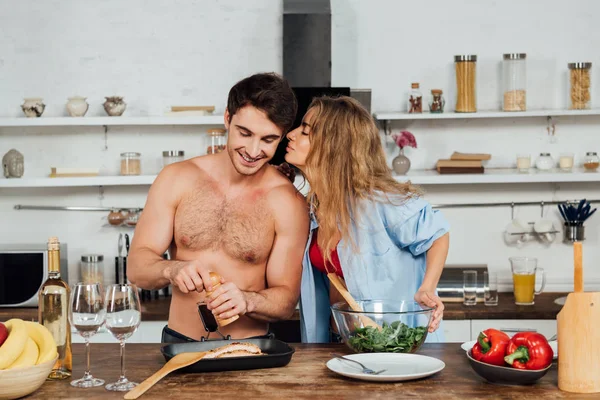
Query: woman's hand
[428, 298]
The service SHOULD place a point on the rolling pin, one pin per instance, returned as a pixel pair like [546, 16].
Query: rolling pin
[215, 280]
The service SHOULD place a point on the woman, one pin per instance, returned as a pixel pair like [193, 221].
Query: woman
[377, 233]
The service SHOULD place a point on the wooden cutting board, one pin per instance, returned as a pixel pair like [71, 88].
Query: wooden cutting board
[579, 336]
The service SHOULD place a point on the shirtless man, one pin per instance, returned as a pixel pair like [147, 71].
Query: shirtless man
[229, 213]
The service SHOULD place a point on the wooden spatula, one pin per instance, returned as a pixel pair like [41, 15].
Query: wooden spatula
[179, 361]
[339, 285]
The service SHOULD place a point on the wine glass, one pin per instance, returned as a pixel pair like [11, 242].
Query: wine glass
[123, 316]
[86, 315]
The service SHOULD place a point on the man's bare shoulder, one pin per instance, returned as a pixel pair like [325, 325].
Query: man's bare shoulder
[282, 194]
[184, 174]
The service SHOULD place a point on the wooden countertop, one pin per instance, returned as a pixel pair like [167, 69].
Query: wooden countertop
[306, 377]
[544, 308]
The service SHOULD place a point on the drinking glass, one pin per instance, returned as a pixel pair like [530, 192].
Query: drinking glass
[123, 317]
[469, 288]
[86, 315]
[490, 288]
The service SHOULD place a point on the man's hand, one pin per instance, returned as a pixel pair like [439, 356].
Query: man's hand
[428, 298]
[189, 276]
[227, 301]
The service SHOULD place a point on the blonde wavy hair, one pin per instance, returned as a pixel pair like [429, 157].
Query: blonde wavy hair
[346, 163]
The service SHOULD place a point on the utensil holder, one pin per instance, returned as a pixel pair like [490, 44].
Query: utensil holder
[574, 233]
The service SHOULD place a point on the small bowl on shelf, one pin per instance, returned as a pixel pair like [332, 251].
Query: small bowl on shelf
[506, 375]
[383, 326]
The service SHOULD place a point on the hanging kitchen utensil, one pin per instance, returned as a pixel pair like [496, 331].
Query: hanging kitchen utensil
[579, 336]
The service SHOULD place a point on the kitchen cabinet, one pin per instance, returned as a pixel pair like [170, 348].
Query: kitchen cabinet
[546, 327]
[456, 331]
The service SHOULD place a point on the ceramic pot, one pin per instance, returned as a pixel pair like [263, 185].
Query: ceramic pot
[401, 163]
[33, 107]
[114, 106]
[77, 106]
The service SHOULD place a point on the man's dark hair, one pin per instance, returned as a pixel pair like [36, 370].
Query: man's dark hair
[268, 92]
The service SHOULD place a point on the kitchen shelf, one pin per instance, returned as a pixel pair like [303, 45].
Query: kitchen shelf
[83, 181]
[499, 175]
[214, 120]
[391, 116]
[419, 177]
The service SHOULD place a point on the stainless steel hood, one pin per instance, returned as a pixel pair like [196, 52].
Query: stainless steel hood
[307, 43]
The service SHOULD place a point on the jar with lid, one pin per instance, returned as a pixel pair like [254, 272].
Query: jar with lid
[92, 268]
[217, 141]
[415, 99]
[591, 162]
[131, 164]
[172, 156]
[437, 102]
[580, 82]
[514, 82]
[544, 162]
[465, 66]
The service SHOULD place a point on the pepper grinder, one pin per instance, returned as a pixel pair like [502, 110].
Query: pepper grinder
[215, 280]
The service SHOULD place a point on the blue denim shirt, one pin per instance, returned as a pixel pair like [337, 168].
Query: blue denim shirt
[392, 239]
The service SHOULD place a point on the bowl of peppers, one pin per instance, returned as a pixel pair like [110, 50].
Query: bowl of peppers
[522, 359]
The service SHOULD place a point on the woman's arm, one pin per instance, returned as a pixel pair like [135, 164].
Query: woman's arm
[436, 258]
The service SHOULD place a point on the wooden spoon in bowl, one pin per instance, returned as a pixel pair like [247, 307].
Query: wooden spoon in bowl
[339, 285]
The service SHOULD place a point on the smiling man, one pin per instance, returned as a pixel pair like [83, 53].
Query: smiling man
[231, 213]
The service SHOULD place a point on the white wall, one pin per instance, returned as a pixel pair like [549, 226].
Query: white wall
[191, 52]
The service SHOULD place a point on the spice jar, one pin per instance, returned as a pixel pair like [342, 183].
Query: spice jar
[172, 156]
[131, 164]
[591, 162]
[217, 141]
[514, 72]
[465, 66]
[437, 102]
[92, 268]
[544, 162]
[415, 100]
[133, 217]
[580, 82]
[523, 162]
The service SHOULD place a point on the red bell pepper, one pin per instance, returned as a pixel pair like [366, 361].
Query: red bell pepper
[491, 347]
[529, 350]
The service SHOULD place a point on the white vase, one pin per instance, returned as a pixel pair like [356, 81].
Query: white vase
[77, 106]
[33, 107]
[401, 163]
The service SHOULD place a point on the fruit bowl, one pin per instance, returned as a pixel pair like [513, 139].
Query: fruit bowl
[19, 382]
[506, 375]
[401, 326]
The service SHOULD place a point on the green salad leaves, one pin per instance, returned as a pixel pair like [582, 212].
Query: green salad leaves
[396, 337]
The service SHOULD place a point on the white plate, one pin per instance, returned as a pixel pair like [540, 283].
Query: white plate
[466, 346]
[399, 367]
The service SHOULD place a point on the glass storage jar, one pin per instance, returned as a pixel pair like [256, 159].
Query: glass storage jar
[544, 162]
[415, 100]
[92, 268]
[217, 141]
[131, 164]
[514, 82]
[580, 82]
[591, 162]
[172, 156]
[437, 102]
[465, 66]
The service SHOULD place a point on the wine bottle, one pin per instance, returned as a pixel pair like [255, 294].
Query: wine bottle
[53, 308]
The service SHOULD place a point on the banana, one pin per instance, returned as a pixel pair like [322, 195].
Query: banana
[44, 339]
[15, 342]
[28, 357]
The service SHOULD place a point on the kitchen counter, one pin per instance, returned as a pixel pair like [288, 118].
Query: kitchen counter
[544, 308]
[305, 377]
